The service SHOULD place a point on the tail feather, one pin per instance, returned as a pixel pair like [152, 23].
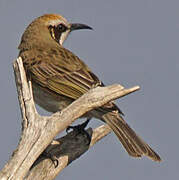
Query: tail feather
[133, 144]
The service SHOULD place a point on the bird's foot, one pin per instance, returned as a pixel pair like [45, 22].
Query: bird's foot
[51, 157]
[80, 129]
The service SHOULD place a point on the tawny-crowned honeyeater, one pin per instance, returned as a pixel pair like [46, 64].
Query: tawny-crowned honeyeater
[59, 77]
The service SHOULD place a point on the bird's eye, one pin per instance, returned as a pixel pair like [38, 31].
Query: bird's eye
[61, 27]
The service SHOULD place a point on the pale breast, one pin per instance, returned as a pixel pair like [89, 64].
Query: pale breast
[48, 100]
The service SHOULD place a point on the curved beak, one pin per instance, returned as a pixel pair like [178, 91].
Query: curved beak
[77, 26]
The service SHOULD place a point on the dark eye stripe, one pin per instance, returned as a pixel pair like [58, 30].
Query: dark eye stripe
[57, 34]
[56, 31]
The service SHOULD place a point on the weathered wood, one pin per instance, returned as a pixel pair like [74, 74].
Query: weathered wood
[39, 131]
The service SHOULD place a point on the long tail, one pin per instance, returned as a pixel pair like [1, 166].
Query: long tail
[133, 144]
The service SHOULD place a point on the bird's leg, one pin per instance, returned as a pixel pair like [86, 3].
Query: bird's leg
[51, 157]
[80, 129]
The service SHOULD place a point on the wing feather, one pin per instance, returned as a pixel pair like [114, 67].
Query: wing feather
[62, 72]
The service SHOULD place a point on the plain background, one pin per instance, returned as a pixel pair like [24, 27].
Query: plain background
[134, 42]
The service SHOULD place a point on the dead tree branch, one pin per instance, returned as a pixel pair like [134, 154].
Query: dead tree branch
[39, 131]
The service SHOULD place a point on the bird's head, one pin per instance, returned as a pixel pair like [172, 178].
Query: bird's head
[49, 27]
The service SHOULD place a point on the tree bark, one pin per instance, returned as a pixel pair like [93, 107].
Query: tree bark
[38, 131]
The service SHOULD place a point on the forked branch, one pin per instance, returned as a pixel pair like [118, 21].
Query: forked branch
[39, 131]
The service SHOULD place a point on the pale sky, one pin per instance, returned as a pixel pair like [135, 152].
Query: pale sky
[133, 43]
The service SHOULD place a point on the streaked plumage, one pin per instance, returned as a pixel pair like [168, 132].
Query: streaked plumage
[59, 77]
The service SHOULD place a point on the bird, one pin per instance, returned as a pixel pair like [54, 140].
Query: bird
[59, 77]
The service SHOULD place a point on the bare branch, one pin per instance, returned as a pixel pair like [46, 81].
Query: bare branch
[39, 131]
[66, 150]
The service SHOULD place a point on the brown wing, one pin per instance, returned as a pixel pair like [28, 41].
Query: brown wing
[59, 70]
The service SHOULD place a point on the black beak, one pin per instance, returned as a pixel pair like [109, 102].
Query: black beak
[77, 26]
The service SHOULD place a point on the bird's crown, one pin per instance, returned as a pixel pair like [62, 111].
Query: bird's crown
[51, 19]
